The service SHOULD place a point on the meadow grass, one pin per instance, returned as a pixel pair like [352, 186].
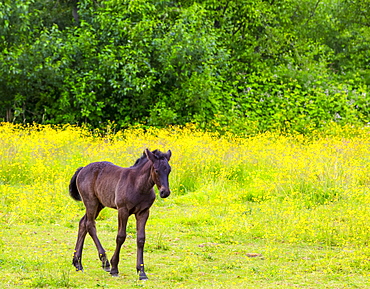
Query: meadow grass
[268, 211]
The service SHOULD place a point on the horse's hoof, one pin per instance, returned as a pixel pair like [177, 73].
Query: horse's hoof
[79, 269]
[106, 267]
[143, 277]
[77, 263]
[114, 274]
[105, 262]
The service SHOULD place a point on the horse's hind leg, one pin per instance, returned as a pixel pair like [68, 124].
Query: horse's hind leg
[87, 225]
[82, 231]
[91, 229]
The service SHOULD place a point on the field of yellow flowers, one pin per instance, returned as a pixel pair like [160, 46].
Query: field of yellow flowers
[266, 211]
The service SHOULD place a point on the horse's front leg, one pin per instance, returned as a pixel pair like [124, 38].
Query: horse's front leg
[141, 219]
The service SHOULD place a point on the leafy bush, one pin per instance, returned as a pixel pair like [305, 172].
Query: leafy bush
[294, 66]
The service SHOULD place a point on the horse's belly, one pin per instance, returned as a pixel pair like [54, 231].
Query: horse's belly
[107, 199]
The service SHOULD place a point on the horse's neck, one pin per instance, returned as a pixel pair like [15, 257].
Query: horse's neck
[144, 181]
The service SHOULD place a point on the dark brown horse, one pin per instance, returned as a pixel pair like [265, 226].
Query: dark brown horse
[129, 190]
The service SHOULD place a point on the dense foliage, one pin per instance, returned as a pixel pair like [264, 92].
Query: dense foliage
[251, 65]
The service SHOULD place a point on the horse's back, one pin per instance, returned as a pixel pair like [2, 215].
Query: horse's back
[99, 181]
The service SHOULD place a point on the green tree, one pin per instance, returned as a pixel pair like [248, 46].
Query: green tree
[262, 64]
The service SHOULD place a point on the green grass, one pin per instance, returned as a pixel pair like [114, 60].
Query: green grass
[179, 254]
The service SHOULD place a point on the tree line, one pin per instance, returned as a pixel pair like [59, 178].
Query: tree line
[247, 65]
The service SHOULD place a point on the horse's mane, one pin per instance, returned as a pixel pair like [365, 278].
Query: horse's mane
[143, 159]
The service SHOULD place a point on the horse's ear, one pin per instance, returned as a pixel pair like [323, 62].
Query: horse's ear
[150, 155]
[168, 155]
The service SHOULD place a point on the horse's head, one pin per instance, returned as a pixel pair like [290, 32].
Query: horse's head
[160, 170]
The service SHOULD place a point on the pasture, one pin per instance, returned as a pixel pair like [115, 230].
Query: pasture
[268, 211]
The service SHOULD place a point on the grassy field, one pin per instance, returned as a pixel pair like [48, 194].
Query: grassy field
[268, 211]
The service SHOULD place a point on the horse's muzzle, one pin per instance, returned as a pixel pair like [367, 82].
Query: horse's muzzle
[164, 193]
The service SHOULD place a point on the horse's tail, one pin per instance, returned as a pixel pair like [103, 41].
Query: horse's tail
[73, 190]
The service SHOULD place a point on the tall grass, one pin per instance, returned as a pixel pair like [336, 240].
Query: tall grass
[228, 190]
